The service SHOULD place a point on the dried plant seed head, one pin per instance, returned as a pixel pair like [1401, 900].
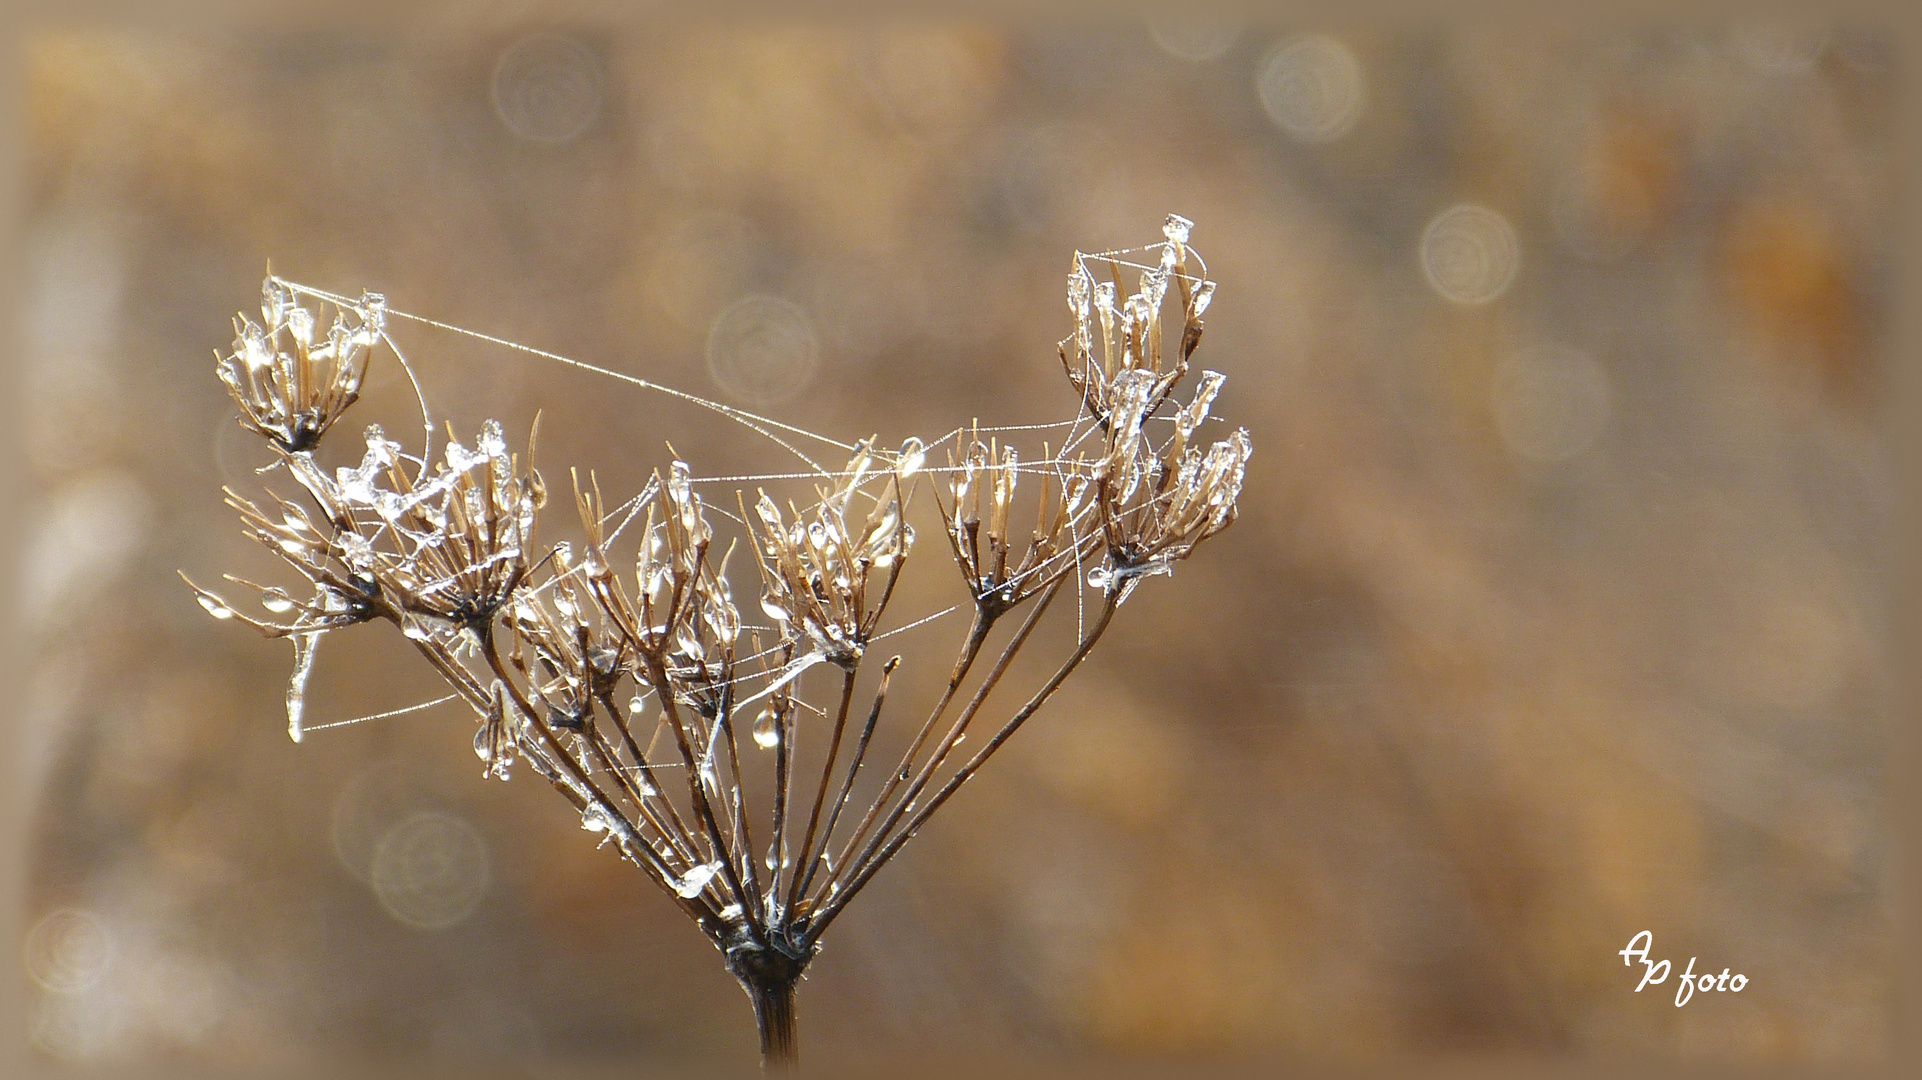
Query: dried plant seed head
[290, 387]
[1155, 502]
[816, 569]
[981, 488]
[446, 550]
[1115, 335]
[547, 646]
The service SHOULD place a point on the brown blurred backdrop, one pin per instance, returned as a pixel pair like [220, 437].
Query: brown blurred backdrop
[1557, 609]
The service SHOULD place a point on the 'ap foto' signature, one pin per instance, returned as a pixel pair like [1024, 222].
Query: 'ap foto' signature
[1657, 972]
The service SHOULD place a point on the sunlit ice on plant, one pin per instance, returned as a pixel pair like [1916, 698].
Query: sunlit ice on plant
[690, 678]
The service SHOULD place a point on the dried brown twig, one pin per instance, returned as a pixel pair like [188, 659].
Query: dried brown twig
[606, 685]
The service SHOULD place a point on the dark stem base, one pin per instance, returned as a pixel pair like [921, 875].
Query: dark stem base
[769, 976]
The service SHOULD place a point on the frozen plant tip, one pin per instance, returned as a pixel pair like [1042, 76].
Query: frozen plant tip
[747, 770]
[290, 385]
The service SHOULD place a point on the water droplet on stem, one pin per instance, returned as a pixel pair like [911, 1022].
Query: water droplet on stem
[767, 731]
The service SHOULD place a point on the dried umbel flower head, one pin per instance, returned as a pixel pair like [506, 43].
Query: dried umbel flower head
[446, 550]
[1130, 333]
[607, 686]
[981, 488]
[1157, 504]
[439, 555]
[291, 386]
[682, 608]
[816, 569]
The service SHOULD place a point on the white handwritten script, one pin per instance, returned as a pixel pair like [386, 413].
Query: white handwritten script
[1654, 972]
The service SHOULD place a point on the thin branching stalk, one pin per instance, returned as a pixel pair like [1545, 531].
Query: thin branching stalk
[856, 865]
[854, 767]
[821, 790]
[871, 866]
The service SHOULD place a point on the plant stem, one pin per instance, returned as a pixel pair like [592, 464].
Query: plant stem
[774, 1013]
[977, 635]
[697, 790]
[769, 976]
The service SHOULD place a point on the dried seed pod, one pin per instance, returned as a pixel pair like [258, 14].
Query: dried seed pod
[495, 742]
[1130, 332]
[984, 481]
[816, 569]
[292, 396]
[447, 548]
[1157, 504]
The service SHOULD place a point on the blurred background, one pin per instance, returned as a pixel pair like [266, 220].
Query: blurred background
[1557, 609]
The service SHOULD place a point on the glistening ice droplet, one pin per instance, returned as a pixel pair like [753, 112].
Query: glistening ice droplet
[914, 454]
[696, 880]
[304, 645]
[215, 608]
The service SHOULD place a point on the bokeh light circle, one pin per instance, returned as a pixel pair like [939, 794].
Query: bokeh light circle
[68, 951]
[1312, 87]
[761, 350]
[430, 870]
[547, 88]
[1469, 254]
[1551, 404]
